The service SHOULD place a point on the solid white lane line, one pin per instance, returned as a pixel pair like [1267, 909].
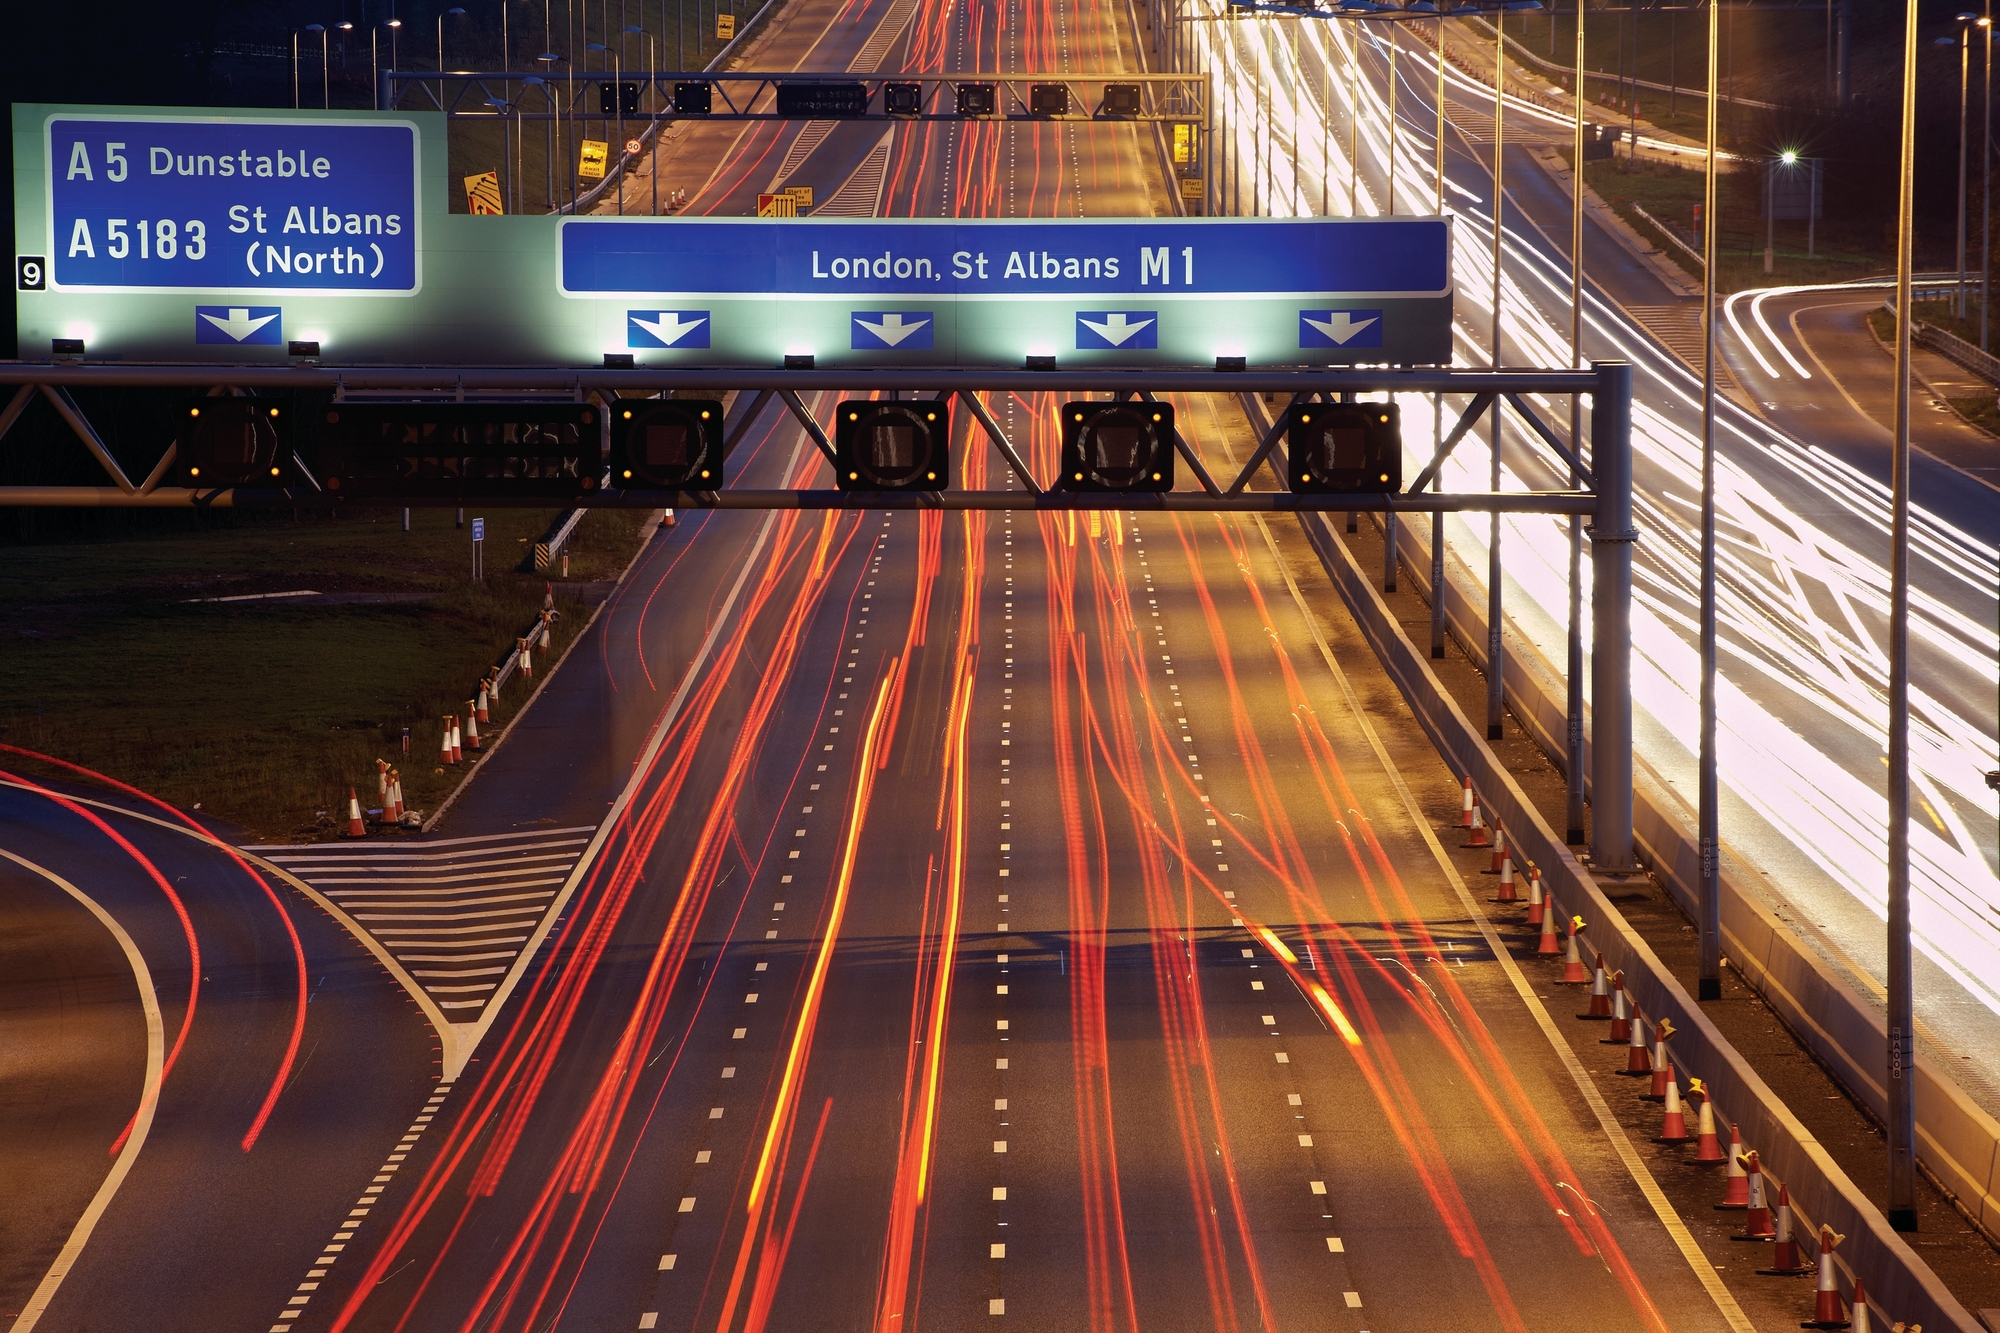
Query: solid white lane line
[142, 1123]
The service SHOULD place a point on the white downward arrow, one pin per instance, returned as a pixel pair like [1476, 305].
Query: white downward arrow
[892, 330]
[668, 328]
[239, 325]
[1114, 330]
[1341, 326]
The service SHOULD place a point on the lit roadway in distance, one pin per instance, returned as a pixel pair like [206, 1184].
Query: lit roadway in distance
[1017, 920]
[1803, 524]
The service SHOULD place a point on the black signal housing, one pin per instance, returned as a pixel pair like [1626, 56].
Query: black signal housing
[233, 441]
[1344, 448]
[1113, 447]
[667, 444]
[892, 445]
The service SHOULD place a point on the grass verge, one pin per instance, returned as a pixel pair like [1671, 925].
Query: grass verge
[267, 711]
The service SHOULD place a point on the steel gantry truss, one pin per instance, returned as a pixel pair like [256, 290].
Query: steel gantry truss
[1603, 493]
[750, 95]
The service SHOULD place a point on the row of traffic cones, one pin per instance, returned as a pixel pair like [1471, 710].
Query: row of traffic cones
[1744, 1187]
[458, 735]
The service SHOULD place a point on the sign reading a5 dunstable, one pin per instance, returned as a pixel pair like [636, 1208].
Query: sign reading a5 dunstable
[1131, 291]
[159, 202]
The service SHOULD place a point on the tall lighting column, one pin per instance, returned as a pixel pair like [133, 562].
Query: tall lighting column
[1902, 1105]
[1573, 665]
[1709, 900]
[1495, 666]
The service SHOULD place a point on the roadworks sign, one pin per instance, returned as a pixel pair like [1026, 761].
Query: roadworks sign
[482, 194]
[590, 161]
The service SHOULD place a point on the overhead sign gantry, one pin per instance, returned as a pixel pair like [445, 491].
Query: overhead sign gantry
[257, 237]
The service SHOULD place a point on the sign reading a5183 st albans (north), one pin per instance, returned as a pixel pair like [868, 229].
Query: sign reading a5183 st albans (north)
[144, 202]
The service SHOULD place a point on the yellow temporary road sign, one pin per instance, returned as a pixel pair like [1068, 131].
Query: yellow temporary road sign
[482, 193]
[803, 194]
[1191, 188]
[777, 206]
[725, 27]
[1183, 145]
[590, 161]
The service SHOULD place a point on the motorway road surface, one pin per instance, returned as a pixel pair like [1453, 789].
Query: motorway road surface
[987, 917]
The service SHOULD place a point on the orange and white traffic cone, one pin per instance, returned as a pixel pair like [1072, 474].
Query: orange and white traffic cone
[1638, 1060]
[1827, 1309]
[1573, 972]
[1786, 1262]
[1550, 944]
[1507, 892]
[1707, 1148]
[548, 597]
[1538, 902]
[382, 777]
[493, 688]
[1470, 802]
[471, 725]
[480, 708]
[1499, 849]
[1736, 1188]
[1621, 1014]
[444, 745]
[1600, 995]
[527, 661]
[355, 828]
[1661, 1070]
[1479, 837]
[1757, 1221]
[1858, 1311]
[1674, 1128]
[395, 796]
[457, 749]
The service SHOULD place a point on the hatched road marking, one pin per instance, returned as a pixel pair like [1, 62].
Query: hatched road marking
[455, 912]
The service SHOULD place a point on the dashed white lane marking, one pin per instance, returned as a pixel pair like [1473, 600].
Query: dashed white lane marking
[455, 912]
[370, 1196]
[1335, 1245]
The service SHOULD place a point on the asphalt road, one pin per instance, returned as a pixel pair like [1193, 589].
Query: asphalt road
[988, 917]
[998, 918]
[188, 1147]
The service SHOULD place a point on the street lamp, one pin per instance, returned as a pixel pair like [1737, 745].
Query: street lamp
[449, 13]
[1965, 22]
[1708, 901]
[1986, 186]
[652, 94]
[345, 28]
[325, 84]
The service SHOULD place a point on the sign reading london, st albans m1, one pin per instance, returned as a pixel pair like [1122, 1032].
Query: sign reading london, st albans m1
[220, 237]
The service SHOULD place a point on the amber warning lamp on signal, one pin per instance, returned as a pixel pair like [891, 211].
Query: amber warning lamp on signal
[1117, 447]
[668, 444]
[233, 441]
[893, 446]
[1344, 448]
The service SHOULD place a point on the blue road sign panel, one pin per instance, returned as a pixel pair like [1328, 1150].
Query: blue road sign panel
[1124, 330]
[961, 257]
[152, 202]
[479, 529]
[239, 326]
[1340, 328]
[666, 328]
[899, 330]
